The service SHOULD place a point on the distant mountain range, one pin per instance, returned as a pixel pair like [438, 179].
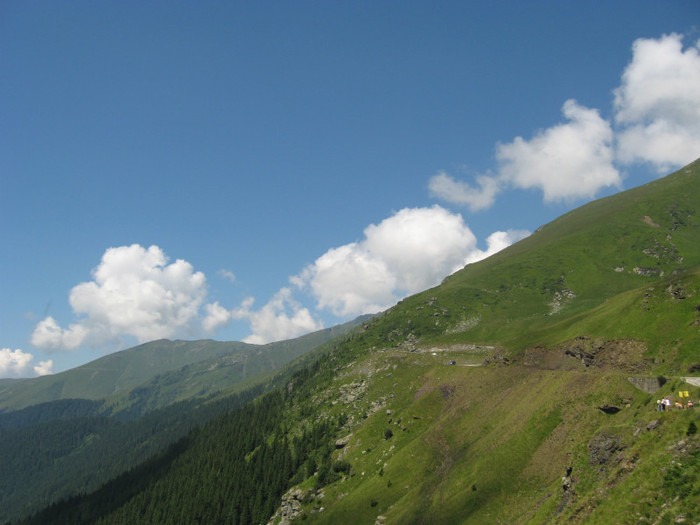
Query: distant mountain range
[164, 371]
[523, 389]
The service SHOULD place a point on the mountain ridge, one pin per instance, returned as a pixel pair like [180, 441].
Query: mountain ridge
[152, 364]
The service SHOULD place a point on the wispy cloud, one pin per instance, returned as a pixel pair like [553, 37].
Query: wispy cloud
[281, 318]
[479, 197]
[216, 317]
[496, 242]
[571, 160]
[228, 275]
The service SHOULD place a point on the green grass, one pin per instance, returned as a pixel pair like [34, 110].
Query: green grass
[491, 444]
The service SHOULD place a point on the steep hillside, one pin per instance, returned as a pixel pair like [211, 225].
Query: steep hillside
[643, 238]
[54, 449]
[550, 440]
[521, 390]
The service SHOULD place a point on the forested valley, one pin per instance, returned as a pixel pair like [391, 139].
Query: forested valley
[54, 450]
[232, 469]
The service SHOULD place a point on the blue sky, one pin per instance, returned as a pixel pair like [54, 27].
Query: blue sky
[257, 170]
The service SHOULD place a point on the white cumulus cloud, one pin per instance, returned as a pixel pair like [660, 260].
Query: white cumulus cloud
[657, 104]
[420, 245]
[349, 280]
[134, 292]
[16, 363]
[50, 336]
[567, 161]
[410, 251]
[216, 317]
[281, 318]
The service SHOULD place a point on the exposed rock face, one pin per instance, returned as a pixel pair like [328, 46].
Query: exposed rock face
[497, 358]
[290, 506]
[560, 299]
[620, 354]
[603, 449]
[568, 495]
[342, 442]
[653, 424]
[352, 392]
[647, 271]
[587, 358]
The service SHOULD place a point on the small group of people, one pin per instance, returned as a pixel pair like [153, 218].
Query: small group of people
[665, 404]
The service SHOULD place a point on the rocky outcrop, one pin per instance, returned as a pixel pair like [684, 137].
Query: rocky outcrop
[568, 495]
[560, 299]
[647, 271]
[653, 425]
[587, 358]
[342, 442]
[620, 354]
[603, 450]
[352, 392]
[290, 506]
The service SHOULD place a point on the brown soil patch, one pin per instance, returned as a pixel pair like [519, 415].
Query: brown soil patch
[648, 220]
[583, 352]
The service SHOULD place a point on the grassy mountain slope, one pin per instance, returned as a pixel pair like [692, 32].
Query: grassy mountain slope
[547, 428]
[433, 443]
[608, 291]
[429, 442]
[564, 270]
